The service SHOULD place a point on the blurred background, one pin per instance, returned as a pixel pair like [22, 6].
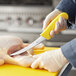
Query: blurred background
[24, 18]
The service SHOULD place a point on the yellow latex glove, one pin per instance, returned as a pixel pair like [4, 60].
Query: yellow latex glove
[50, 60]
[60, 25]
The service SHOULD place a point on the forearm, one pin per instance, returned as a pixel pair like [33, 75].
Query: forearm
[69, 51]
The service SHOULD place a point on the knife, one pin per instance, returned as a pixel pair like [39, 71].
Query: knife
[44, 35]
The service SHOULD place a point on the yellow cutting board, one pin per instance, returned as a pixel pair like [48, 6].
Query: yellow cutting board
[14, 70]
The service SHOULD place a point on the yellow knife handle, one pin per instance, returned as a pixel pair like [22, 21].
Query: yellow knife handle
[51, 26]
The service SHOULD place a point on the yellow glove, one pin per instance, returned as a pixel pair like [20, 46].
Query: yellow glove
[50, 60]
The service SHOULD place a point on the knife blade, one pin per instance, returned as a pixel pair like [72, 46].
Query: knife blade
[36, 42]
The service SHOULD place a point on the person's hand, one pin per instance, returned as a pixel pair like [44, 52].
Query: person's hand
[59, 26]
[50, 60]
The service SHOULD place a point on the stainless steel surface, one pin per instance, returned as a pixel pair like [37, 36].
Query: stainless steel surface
[55, 3]
[22, 16]
[36, 42]
[26, 2]
[23, 21]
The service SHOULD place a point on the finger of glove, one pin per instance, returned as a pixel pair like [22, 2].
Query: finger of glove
[36, 63]
[1, 61]
[37, 56]
[65, 24]
[62, 23]
[57, 27]
[47, 21]
[52, 33]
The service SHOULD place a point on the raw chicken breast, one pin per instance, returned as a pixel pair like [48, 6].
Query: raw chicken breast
[11, 44]
[7, 44]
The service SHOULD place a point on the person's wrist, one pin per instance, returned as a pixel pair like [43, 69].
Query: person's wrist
[57, 11]
[63, 58]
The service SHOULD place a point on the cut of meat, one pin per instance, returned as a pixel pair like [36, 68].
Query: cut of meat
[11, 44]
[25, 61]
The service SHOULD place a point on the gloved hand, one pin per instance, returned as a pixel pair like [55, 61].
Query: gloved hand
[60, 25]
[50, 60]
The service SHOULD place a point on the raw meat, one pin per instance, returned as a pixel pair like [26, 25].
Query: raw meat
[10, 44]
